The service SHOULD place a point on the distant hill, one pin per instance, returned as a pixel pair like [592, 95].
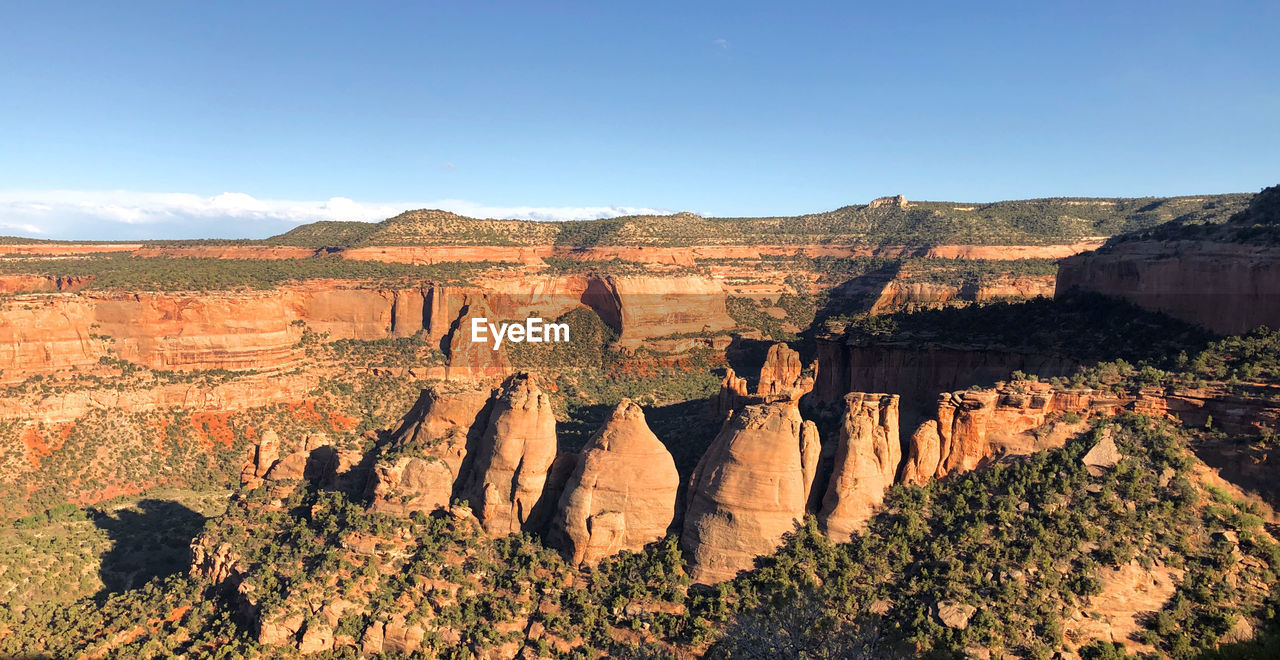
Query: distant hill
[889, 220]
[1258, 223]
[326, 233]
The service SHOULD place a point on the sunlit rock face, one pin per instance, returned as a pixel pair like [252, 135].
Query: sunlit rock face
[621, 495]
[749, 489]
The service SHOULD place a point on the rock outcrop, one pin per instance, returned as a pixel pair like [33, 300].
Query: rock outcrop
[733, 393]
[970, 427]
[513, 459]
[895, 201]
[899, 295]
[622, 493]
[782, 378]
[407, 484]
[445, 423]
[866, 464]
[749, 489]
[265, 454]
[780, 373]
[1103, 455]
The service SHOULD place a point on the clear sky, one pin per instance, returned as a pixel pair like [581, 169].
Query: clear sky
[175, 118]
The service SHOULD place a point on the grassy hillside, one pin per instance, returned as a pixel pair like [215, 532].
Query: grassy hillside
[122, 271]
[1256, 224]
[1035, 221]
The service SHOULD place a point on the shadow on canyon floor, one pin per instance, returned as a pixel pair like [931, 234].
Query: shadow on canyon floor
[149, 540]
[1245, 462]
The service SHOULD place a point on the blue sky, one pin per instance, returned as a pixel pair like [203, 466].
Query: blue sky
[173, 119]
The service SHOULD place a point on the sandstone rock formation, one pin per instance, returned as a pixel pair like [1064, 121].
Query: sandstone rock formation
[1224, 278]
[265, 454]
[622, 494]
[1225, 287]
[866, 464]
[924, 453]
[782, 378]
[299, 465]
[898, 295]
[963, 420]
[655, 307]
[954, 615]
[896, 201]
[1104, 454]
[513, 459]
[408, 484]
[445, 423]
[969, 427]
[749, 489]
[918, 374]
[733, 392]
[780, 373]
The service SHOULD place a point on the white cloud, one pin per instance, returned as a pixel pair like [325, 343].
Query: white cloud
[722, 43]
[98, 215]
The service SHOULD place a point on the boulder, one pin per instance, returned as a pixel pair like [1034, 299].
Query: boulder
[954, 615]
[866, 463]
[622, 493]
[1103, 455]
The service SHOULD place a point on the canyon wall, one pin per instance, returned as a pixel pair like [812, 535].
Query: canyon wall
[899, 294]
[261, 330]
[917, 374]
[1228, 288]
[534, 255]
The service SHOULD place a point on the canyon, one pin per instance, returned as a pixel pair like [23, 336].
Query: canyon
[756, 481]
[400, 481]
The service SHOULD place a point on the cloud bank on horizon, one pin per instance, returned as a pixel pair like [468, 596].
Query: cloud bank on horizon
[126, 215]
